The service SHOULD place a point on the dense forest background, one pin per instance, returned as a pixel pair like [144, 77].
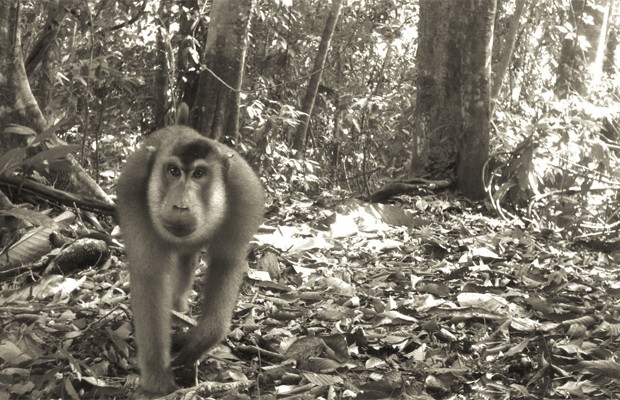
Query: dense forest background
[432, 105]
[105, 73]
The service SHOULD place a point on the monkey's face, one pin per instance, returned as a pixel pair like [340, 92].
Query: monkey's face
[186, 195]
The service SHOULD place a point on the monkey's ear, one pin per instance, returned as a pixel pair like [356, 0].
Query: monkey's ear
[183, 114]
[150, 154]
[228, 160]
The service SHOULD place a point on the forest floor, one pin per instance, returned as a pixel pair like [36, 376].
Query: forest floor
[430, 299]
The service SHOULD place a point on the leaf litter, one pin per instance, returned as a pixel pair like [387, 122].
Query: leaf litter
[431, 300]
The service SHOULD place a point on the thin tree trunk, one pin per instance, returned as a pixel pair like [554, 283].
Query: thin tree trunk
[42, 54]
[313, 86]
[160, 80]
[47, 37]
[596, 68]
[508, 50]
[187, 75]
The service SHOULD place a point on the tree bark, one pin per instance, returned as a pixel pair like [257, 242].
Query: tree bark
[477, 49]
[436, 125]
[451, 124]
[299, 140]
[187, 67]
[45, 41]
[42, 54]
[216, 110]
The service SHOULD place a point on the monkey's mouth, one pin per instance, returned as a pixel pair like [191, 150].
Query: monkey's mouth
[180, 230]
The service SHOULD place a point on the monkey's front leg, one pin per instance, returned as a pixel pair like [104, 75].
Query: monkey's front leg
[182, 278]
[221, 288]
[151, 301]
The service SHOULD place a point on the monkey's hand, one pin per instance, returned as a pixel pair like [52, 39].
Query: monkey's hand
[198, 341]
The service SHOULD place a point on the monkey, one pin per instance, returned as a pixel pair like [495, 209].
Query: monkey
[178, 194]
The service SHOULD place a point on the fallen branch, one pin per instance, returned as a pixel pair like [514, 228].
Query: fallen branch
[404, 187]
[46, 193]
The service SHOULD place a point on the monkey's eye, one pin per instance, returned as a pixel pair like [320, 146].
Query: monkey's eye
[199, 173]
[174, 170]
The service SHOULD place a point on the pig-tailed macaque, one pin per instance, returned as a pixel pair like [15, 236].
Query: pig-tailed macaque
[181, 193]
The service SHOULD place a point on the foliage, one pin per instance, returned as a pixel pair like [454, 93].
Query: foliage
[19, 158]
[102, 79]
[555, 162]
[355, 120]
[100, 83]
[565, 163]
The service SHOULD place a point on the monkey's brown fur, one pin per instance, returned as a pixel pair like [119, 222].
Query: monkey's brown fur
[178, 194]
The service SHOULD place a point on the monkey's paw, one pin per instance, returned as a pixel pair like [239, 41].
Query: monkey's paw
[152, 388]
[199, 340]
[192, 347]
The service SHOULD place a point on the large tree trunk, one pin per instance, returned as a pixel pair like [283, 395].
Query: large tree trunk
[313, 86]
[437, 118]
[451, 124]
[580, 67]
[17, 104]
[477, 49]
[216, 110]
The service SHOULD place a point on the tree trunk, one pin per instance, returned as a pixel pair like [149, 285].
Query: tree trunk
[216, 109]
[508, 50]
[187, 68]
[313, 85]
[451, 124]
[17, 104]
[46, 38]
[477, 49]
[437, 117]
[579, 68]
[160, 80]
